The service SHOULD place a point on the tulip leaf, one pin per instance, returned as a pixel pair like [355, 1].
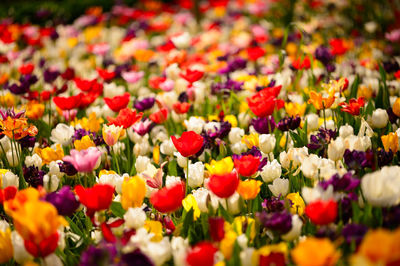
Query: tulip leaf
[187, 221]
[224, 213]
[354, 87]
[172, 168]
[382, 99]
[117, 210]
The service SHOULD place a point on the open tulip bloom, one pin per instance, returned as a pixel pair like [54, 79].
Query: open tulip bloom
[200, 133]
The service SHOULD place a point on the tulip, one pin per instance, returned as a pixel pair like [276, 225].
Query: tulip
[327, 253]
[249, 189]
[354, 106]
[279, 187]
[220, 167]
[379, 118]
[217, 231]
[111, 134]
[247, 165]
[320, 102]
[133, 192]
[160, 116]
[263, 103]
[96, 198]
[117, 103]
[6, 247]
[201, 255]
[37, 222]
[84, 161]
[224, 185]
[322, 212]
[390, 142]
[188, 144]
[168, 199]
[126, 118]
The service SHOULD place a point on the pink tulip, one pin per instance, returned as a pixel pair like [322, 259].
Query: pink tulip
[132, 76]
[84, 161]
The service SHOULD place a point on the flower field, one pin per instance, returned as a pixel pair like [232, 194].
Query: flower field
[202, 133]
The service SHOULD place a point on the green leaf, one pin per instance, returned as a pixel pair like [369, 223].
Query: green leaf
[225, 214]
[354, 87]
[187, 222]
[382, 99]
[172, 168]
[117, 210]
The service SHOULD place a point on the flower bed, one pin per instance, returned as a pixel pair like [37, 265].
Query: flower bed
[215, 132]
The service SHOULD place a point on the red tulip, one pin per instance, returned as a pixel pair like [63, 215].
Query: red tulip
[46, 247]
[263, 103]
[254, 53]
[302, 63]
[189, 143]
[273, 258]
[67, 103]
[117, 102]
[202, 254]
[89, 85]
[322, 212]
[247, 165]
[224, 185]
[155, 82]
[168, 199]
[68, 74]
[96, 198]
[106, 229]
[338, 46]
[192, 75]
[7, 193]
[354, 106]
[126, 118]
[181, 108]
[87, 99]
[217, 231]
[106, 75]
[26, 69]
[160, 116]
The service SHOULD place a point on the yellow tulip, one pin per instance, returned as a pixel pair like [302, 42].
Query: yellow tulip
[6, 248]
[111, 134]
[251, 140]
[294, 109]
[298, 204]
[190, 202]
[231, 119]
[154, 227]
[34, 110]
[29, 220]
[227, 243]
[220, 167]
[133, 192]
[48, 154]
[84, 143]
[390, 142]
[238, 223]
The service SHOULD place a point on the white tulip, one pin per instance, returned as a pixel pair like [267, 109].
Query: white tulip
[379, 118]
[382, 188]
[33, 160]
[135, 218]
[295, 232]
[267, 143]
[50, 182]
[271, 171]
[62, 134]
[196, 174]
[279, 187]
[235, 135]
